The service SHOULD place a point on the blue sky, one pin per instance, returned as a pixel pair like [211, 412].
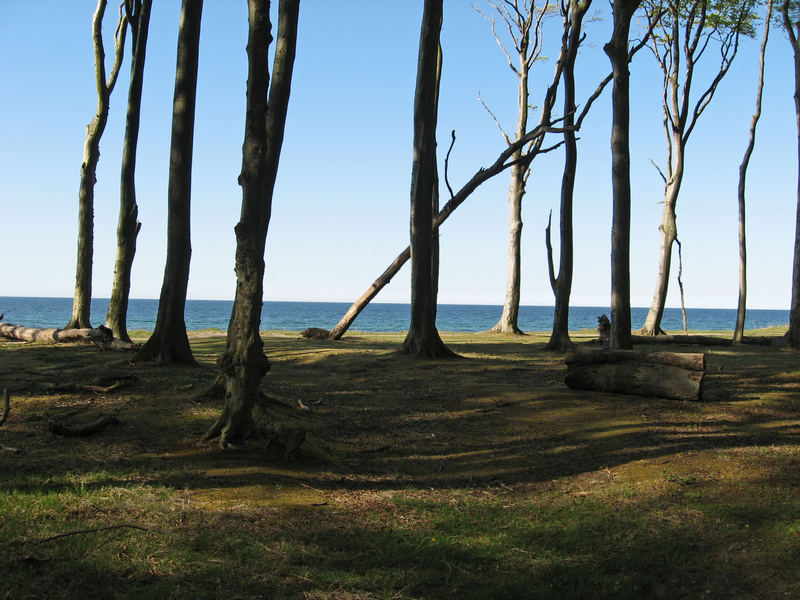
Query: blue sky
[340, 212]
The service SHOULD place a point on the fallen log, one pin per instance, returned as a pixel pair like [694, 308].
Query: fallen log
[705, 340]
[652, 374]
[100, 336]
[689, 340]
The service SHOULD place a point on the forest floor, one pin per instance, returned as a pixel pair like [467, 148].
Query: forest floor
[481, 477]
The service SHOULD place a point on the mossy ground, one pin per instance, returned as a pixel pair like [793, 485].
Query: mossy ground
[481, 477]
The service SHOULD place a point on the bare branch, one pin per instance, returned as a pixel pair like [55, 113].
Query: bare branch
[500, 127]
[119, 47]
[496, 35]
[550, 267]
[660, 172]
[79, 532]
[447, 162]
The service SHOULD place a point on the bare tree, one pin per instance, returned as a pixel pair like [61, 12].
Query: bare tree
[81, 304]
[682, 37]
[138, 14]
[423, 338]
[244, 363]
[523, 22]
[169, 341]
[790, 13]
[738, 332]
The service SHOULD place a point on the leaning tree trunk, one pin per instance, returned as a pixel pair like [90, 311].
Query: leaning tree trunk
[128, 225]
[423, 338]
[169, 342]
[617, 51]
[668, 233]
[82, 298]
[483, 174]
[793, 32]
[244, 363]
[738, 332]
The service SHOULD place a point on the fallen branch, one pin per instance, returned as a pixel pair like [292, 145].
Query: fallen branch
[77, 532]
[100, 336]
[96, 426]
[75, 386]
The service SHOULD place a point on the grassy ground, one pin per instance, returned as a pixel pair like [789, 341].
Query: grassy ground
[483, 477]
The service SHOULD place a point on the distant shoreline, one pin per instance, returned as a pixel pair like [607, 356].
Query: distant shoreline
[202, 315]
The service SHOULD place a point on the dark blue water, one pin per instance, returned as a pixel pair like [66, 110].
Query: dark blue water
[295, 316]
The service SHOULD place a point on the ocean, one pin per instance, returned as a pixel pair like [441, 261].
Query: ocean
[296, 316]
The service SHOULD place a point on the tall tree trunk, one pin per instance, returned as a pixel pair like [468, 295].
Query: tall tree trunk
[741, 308]
[169, 342]
[423, 338]
[668, 234]
[562, 284]
[793, 31]
[686, 30]
[138, 13]
[617, 51]
[91, 155]
[244, 363]
[509, 319]
[435, 246]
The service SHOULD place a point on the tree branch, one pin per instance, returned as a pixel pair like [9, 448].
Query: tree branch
[499, 126]
[447, 162]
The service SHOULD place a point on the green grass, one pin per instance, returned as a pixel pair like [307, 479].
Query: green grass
[478, 478]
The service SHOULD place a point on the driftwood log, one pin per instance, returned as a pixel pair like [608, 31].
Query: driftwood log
[100, 336]
[704, 340]
[656, 374]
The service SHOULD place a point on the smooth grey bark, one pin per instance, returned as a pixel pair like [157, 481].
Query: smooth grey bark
[82, 298]
[423, 338]
[524, 24]
[685, 32]
[617, 51]
[244, 363]
[138, 13]
[169, 342]
[741, 306]
[791, 24]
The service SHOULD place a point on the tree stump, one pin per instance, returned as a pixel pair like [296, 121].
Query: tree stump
[655, 374]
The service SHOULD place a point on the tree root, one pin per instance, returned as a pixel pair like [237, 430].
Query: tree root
[96, 426]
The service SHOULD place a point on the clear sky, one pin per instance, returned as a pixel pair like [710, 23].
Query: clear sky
[340, 212]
